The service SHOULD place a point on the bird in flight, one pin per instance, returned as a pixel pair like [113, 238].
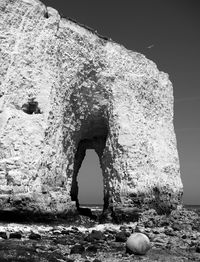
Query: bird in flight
[150, 46]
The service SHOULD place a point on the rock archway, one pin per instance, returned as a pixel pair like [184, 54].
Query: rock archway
[97, 143]
[64, 89]
[90, 182]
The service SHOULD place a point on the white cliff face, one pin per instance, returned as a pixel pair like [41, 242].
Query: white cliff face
[63, 90]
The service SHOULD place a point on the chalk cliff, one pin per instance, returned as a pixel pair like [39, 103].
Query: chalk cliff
[65, 89]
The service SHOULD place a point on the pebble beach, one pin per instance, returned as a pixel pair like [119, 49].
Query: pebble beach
[175, 237]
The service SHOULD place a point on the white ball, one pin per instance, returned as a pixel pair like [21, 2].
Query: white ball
[138, 244]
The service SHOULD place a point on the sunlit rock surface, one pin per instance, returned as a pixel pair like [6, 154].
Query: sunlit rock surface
[65, 89]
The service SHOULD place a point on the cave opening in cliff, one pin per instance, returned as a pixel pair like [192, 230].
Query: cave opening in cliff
[88, 181]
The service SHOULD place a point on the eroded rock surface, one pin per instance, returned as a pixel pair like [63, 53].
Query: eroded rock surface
[103, 242]
[64, 89]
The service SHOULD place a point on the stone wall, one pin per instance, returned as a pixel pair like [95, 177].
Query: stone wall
[64, 89]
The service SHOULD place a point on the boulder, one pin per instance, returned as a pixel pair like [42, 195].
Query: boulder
[138, 244]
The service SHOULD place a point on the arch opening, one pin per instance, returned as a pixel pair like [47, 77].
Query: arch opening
[90, 182]
[91, 136]
[96, 184]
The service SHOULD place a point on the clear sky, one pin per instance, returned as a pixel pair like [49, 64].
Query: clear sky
[167, 32]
